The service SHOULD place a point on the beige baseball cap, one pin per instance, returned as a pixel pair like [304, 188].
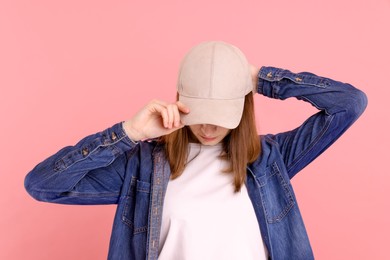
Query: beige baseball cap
[213, 79]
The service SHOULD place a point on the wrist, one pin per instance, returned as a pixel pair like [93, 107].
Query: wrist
[130, 131]
[255, 78]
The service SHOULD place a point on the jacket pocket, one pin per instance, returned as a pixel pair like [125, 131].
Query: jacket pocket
[276, 193]
[136, 208]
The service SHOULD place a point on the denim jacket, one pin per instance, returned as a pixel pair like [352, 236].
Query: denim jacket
[109, 168]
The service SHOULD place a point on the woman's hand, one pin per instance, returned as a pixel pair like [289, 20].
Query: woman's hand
[255, 79]
[156, 119]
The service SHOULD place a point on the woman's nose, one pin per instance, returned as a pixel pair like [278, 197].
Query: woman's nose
[208, 129]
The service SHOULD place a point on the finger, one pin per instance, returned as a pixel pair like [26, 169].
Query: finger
[156, 108]
[182, 108]
[171, 117]
[173, 129]
[162, 111]
[160, 102]
[171, 114]
[165, 117]
[176, 119]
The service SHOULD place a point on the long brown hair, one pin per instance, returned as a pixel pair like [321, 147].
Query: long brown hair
[241, 146]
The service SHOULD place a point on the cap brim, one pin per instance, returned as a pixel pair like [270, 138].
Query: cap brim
[224, 113]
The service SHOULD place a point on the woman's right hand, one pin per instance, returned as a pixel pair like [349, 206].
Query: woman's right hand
[156, 119]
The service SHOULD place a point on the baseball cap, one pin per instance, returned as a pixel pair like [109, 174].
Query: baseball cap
[213, 79]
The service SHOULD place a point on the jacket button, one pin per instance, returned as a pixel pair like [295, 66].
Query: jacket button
[269, 75]
[113, 136]
[85, 151]
[298, 79]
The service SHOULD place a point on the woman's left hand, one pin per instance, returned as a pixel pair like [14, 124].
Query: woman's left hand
[255, 79]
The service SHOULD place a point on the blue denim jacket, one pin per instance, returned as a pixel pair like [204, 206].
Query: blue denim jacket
[109, 168]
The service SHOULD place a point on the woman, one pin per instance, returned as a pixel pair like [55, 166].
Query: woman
[192, 179]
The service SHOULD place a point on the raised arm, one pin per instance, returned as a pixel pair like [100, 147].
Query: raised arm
[93, 170]
[90, 172]
[340, 104]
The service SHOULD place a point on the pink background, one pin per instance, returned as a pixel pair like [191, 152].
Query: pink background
[72, 68]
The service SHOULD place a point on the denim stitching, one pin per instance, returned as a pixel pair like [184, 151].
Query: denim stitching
[290, 200]
[125, 219]
[315, 141]
[57, 163]
[88, 195]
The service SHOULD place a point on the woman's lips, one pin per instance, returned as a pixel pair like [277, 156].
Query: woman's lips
[208, 139]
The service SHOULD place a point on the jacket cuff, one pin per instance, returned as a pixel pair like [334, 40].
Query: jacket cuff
[265, 75]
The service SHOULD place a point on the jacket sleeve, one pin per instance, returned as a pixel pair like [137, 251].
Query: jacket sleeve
[91, 172]
[340, 105]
